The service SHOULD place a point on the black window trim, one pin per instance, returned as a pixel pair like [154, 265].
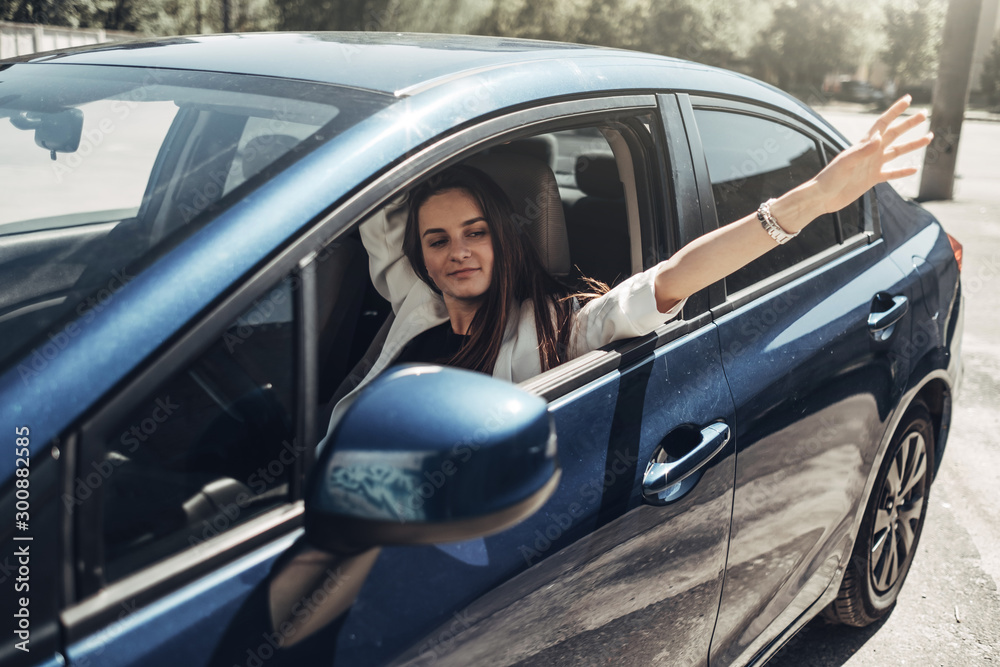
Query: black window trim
[724, 302]
[688, 200]
[683, 123]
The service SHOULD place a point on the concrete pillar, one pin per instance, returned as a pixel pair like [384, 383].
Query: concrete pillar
[951, 94]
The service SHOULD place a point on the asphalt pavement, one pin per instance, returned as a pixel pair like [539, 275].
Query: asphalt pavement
[948, 613]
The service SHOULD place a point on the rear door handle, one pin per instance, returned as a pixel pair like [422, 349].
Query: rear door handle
[883, 319]
[661, 476]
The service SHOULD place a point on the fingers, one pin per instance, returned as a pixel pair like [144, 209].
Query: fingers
[892, 113]
[889, 174]
[901, 127]
[908, 147]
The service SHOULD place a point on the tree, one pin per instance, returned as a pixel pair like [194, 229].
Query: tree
[152, 17]
[913, 38]
[810, 39]
[989, 79]
[371, 15]
[530, 19]
[72, 13]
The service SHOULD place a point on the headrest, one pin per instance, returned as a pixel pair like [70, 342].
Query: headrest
[543, 148]
[597, 176]
[532, 188]
[262, 150]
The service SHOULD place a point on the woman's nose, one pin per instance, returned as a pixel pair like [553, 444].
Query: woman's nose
[460, 249]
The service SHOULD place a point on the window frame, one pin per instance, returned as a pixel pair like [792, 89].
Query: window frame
[722, 301]
[465, 142]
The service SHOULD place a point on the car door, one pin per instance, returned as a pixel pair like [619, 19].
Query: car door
[810, 337]
[186, 485]
[617, 550]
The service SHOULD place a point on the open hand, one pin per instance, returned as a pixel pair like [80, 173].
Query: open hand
[865, 164]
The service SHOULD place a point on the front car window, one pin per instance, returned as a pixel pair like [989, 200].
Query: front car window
[103, 168]
[210, 447]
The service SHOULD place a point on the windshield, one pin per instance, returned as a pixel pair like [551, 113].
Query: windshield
[101, 167]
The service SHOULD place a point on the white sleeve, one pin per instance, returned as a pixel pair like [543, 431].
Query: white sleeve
[382, 235]
[627, 311]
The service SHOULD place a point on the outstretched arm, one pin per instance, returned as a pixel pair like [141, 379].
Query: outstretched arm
[848, 176]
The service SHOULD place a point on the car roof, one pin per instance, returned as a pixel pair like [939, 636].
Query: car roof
[404, 64]
[385, 62]
[409, 65]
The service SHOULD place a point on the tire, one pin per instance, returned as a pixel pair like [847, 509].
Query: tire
[890, 529]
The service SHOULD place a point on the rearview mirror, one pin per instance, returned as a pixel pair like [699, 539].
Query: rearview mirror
[425, 454]
[57, 132]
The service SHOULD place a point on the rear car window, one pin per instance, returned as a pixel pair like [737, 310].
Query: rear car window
[751, 160]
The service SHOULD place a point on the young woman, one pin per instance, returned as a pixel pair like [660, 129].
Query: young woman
[468, 290]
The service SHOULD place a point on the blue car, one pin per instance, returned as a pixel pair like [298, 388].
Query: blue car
[186, 297]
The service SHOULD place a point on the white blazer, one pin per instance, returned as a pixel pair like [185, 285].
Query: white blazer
[627, 311]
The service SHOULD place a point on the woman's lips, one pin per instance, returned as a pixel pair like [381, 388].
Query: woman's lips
[462, 273]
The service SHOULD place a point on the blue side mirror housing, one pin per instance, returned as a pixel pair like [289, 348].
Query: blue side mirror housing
[430, 454]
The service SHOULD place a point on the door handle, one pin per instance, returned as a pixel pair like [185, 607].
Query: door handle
[883, 319]
[660, 476]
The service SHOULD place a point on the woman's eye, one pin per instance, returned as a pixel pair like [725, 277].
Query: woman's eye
[437, 244]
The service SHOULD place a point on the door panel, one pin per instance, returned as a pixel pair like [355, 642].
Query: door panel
[173, 630]
[643, 588]
[814, 387]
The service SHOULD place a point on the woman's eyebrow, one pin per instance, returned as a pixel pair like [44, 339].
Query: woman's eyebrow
[436, 230]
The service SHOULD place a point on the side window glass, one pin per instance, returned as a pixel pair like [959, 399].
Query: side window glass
[751, 160]
[853, 218]
[593, 195]
[211, 447]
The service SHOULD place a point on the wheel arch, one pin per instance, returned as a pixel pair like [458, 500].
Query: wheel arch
[935, 390]
[937, 395]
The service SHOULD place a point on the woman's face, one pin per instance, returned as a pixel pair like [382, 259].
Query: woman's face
[457, 245]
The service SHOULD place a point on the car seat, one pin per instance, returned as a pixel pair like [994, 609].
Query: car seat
[598, 222]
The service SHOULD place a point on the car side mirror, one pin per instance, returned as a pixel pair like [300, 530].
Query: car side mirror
[425, 454]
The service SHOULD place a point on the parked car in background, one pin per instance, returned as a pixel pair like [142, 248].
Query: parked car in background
[860, 91]
[185, 295]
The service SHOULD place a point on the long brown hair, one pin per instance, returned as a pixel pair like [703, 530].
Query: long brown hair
[518, 274]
